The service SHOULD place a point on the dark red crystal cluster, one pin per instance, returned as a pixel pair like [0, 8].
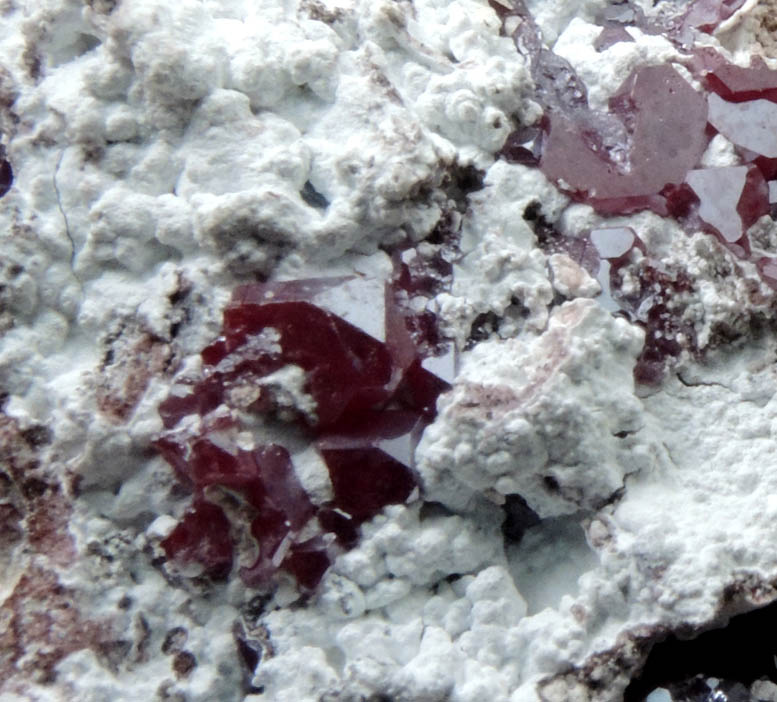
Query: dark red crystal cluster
[373, 369]
[644, 152]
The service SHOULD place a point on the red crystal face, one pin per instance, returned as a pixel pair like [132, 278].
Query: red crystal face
[662, 119]
[372, 370]
[202, 536]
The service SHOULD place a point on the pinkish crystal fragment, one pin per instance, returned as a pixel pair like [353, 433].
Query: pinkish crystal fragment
[611, 35]
[665, 118]
[202, 537]
[199, 399]
[209, 465]
[706, 15]
[264, 476]
[739, 83]
[557, 85]
[750, 125]
[754, 202]
[767, 268]
[283, 488]
[271, 532]
[523, 146]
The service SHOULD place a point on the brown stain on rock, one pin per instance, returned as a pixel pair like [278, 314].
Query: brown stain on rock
[133, 355]
[34, 508]
[40, 624]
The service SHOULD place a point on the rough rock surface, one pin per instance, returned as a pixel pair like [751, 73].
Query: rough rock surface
[155, 156]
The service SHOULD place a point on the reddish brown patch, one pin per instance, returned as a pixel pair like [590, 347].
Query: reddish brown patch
[40, 624]
[18, 456]
[47, 528]
[132, 358]
[32, 503]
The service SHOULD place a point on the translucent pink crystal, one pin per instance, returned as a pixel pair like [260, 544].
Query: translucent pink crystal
[611, 35]
[523, 146]
[557, 85]
[665, 119]
[307, 562]
[706, 15]
[767, 268]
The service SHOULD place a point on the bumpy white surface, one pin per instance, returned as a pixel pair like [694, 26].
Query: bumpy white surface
[561, 400]
[161, 147]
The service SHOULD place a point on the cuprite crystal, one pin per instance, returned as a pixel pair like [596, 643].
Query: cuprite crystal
[663, 119]
[373, 364]
[611, 35]
[202, 536]
[738, 83]
[706, 15]
[307, 561]
[370, 461]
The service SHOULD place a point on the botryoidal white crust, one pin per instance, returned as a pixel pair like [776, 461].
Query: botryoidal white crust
[159, 150]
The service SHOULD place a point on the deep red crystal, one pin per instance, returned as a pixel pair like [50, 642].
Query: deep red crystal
[374, 367]
[370, 461]
[307, 562]
[345, 529]
[202, 536]
[739, 83]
